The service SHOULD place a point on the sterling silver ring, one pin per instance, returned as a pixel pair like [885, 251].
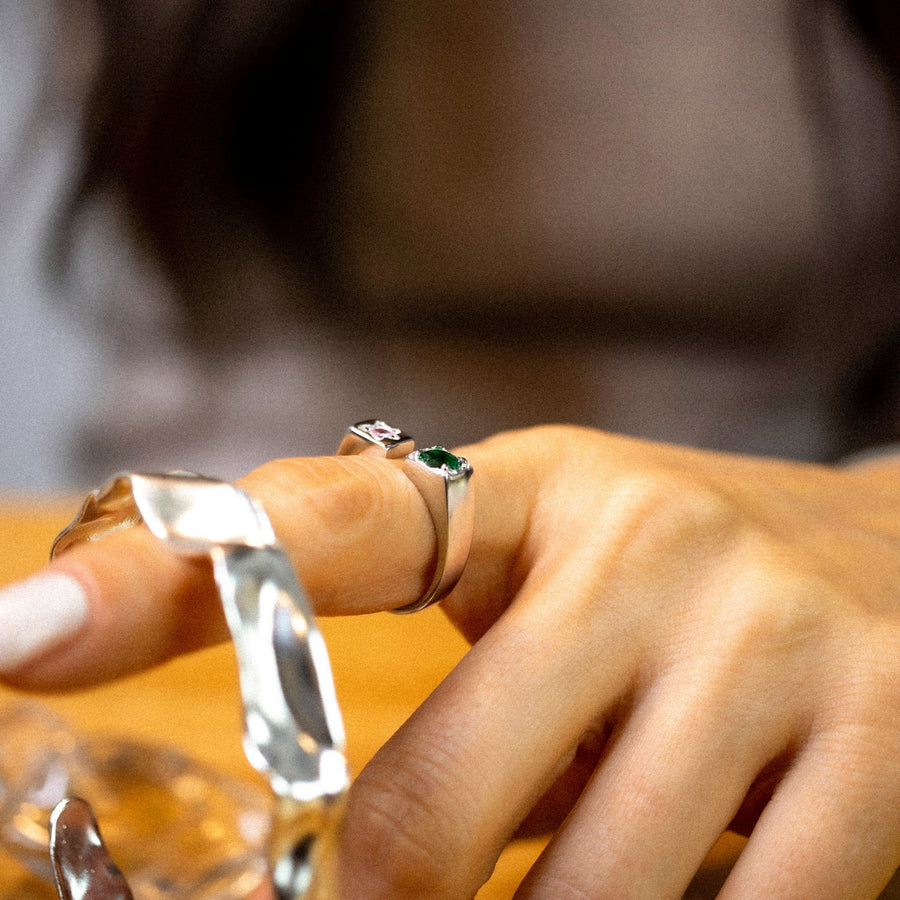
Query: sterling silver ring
[444, 481]
[293, 732]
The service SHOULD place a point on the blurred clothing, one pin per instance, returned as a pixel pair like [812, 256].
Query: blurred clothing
[678, 222]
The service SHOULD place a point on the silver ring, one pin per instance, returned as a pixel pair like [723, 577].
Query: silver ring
[293, 732]
[443, 481]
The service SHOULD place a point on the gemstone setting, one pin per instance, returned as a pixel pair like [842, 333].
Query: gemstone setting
[381, 431]
[438, 457]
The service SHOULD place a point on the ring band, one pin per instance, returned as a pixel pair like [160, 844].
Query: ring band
[443, 480]
[293, 731]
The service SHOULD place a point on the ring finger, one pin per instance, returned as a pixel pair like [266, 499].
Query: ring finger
[672, 780]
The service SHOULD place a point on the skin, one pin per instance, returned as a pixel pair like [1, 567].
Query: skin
[666, 643]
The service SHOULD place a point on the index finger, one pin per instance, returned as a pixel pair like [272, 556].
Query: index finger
[356, 529]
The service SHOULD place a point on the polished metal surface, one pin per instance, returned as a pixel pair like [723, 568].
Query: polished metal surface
[293, 731]
[447, 493]
[189, 512]
[82, 866]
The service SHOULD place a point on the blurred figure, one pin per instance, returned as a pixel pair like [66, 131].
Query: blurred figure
[50, 364]
[676, 221]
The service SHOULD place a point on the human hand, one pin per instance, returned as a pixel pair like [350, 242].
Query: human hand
[666, 642]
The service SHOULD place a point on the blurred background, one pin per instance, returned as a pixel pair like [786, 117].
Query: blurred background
[229, 230]
[51, 366]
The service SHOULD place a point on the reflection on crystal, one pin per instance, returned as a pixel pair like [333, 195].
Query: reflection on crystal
[177, 828]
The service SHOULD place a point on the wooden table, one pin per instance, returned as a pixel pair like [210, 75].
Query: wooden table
[384, 667]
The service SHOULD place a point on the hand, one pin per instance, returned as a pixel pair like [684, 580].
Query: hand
[666, 642]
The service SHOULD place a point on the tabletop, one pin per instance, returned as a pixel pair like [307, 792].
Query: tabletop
[384, 666]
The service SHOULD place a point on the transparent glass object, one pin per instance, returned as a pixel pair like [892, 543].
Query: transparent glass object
[176, 828]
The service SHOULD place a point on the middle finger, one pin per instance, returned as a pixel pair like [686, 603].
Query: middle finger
[430, 814]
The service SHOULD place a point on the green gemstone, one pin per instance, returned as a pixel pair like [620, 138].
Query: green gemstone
[436, 457]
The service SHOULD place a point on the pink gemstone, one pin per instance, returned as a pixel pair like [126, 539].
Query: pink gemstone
[381, 431]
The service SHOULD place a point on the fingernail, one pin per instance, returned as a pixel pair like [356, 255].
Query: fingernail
[37, 613]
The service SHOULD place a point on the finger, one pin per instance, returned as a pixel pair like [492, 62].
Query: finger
[356, 529]
[129, 602]
[431, 813]
[671, 781]
[553, 807]
[263, 892]
[830, 832]
[106, 609]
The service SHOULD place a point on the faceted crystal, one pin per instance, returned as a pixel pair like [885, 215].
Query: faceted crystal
[177, 828]
[437, 457]
[381, 431]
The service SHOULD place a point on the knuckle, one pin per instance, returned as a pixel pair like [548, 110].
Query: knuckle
[776, 605]
[343, 498]
[333, 515]
[680, 520]
[673, 518]
[673, 507]
[404, 827]
[336, 493]
[388, 848]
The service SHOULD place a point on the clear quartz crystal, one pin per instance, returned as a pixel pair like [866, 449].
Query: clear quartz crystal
[176, 828]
